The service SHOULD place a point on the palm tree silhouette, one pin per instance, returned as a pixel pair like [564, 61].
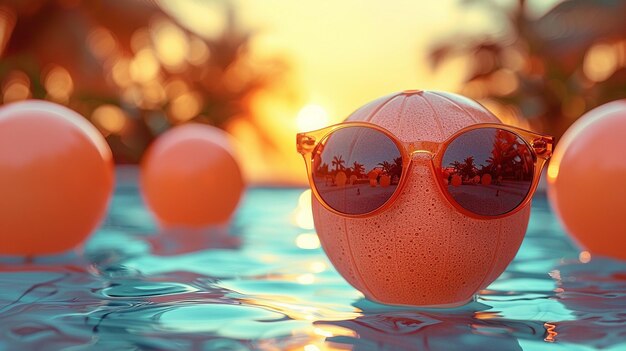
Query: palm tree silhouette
[358, 169]
[396, 168]
[504, 152]
[457, 166]
[338, 162]
[468, 168]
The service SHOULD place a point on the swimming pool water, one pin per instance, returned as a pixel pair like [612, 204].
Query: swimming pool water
[264, 283]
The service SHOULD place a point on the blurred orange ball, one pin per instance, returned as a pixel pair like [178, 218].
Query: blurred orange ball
[190, 178]
[456, 180]
[56, 178]
[587, 180]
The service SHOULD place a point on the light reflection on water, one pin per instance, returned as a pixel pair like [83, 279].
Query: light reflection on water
[264, 283]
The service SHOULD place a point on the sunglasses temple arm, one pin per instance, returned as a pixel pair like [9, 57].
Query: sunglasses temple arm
[305, 143]
[543, 146]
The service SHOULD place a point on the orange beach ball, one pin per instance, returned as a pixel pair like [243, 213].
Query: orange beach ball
[587, 180]
[56, 178]
[190, 178]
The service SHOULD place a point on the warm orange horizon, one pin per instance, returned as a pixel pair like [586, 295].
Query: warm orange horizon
[338, 57]
[341, 56]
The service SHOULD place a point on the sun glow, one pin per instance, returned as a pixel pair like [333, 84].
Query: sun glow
[311, 117]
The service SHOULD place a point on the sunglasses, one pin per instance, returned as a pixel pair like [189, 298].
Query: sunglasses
[486, 171]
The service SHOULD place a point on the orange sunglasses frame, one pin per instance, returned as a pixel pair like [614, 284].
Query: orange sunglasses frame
[540, 146]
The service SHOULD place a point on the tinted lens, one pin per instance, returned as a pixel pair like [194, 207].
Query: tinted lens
[357, 169]
[488, 171]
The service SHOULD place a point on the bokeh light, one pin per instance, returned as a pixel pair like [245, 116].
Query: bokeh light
[102, 43]
[144, 67]
[308, 241]
[171, 44]
[59, 84]
[7, 22]
[198, 51]
[601, 61]
[109, 118]
[584, 257]
[303, 214]
[185, 106]
[16, 87]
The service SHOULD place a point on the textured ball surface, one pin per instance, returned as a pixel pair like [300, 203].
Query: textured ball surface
[56, 178]
[190, 178]
[420, 251]
[587, 180]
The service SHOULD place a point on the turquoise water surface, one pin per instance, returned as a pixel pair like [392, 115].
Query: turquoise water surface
[264, 283]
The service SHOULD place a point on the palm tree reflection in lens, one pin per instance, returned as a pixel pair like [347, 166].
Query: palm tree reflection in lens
[373, 174]
[489, 171]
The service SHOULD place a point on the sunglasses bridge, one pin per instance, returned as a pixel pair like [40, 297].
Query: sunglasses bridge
[422, 147]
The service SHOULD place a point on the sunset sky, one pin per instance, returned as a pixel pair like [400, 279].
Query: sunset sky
[344, 54]
[339, 55]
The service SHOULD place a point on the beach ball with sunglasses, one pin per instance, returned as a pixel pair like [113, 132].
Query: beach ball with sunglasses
[437, 201]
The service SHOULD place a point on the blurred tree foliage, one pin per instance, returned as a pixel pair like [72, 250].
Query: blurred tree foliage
[544, 72]
[129, 67]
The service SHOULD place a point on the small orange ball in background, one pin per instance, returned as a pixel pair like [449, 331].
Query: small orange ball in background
[587, 180]
[190, 178]
[56, 178]
[486, 179]
[456, 180]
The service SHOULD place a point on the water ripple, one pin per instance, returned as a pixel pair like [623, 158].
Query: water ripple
[264, 283]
